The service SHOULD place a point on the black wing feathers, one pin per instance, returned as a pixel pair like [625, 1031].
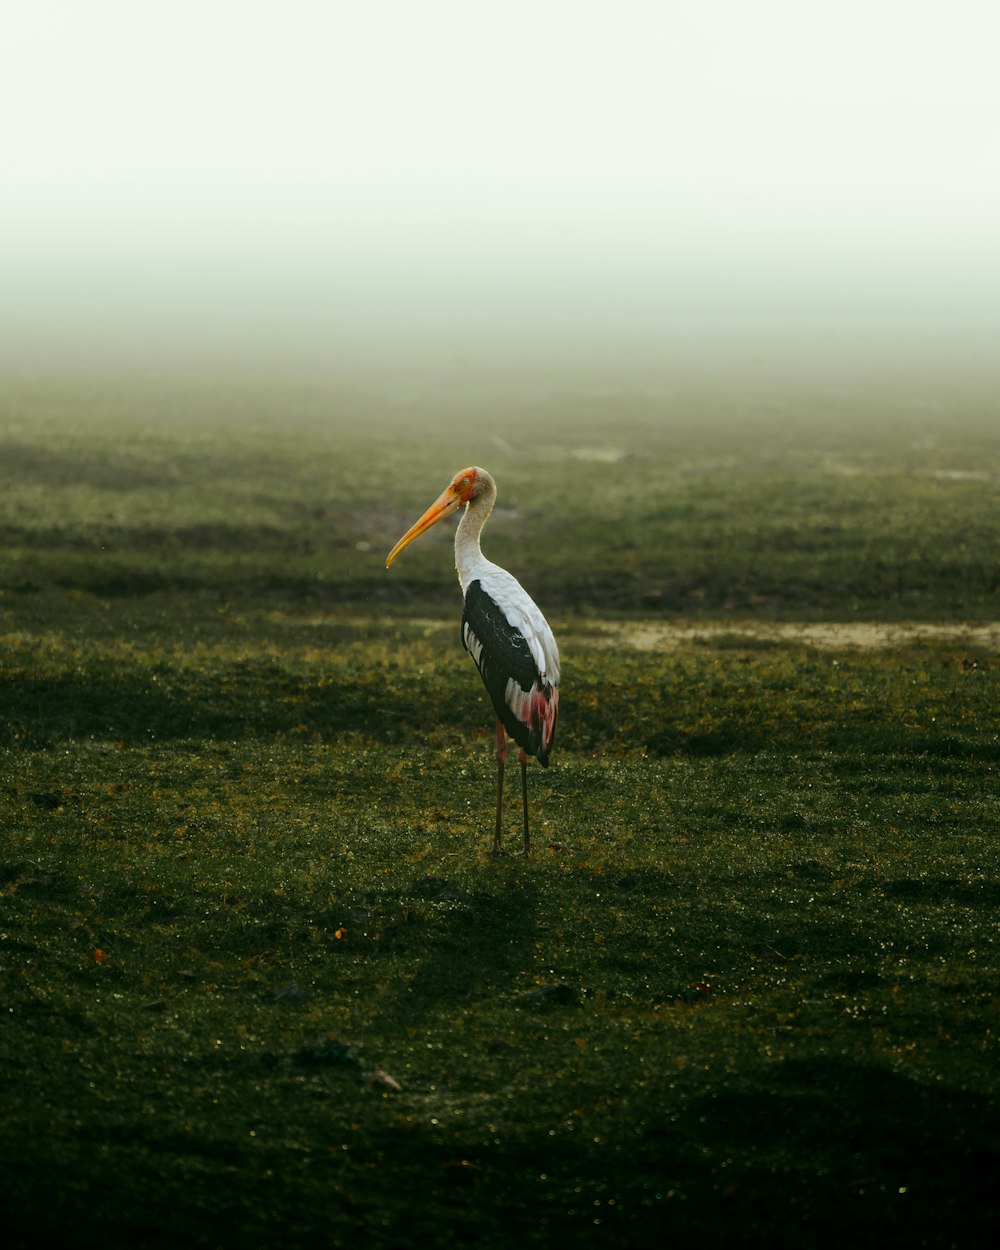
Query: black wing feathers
[500, 653]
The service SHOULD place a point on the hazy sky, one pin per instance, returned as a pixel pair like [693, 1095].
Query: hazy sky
[615, 160]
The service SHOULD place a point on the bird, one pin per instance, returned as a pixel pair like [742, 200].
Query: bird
[503, 630]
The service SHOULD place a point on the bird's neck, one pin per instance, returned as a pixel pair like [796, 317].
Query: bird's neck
[469, 558]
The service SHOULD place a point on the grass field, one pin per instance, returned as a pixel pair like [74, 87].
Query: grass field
[262, 983]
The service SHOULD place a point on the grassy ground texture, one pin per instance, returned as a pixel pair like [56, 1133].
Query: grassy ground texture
[261, 981]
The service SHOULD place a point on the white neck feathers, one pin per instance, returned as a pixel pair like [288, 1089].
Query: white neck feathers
[469, 559]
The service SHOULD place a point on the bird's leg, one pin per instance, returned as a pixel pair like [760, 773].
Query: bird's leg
[501, 760]
[524, 792]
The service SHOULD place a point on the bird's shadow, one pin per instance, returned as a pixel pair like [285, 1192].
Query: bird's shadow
[476, 941]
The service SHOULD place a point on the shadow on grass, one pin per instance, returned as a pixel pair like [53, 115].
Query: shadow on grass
[823, 1153]
[255, 701]
[820, 1153]
[260, 699]
[481, 940]
[881, 739]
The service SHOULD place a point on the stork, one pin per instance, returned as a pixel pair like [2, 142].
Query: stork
[504, 632]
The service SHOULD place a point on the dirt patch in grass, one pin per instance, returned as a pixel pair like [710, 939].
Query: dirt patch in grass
[671, 635]
[845, 635]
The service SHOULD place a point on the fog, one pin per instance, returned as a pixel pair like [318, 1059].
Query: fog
[273, 178]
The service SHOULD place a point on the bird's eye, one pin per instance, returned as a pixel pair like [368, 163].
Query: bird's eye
[463, 484]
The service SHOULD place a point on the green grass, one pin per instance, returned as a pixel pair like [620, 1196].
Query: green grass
[781, 504]
[745, 989]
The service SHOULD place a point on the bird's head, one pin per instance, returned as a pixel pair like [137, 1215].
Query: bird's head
[464, 487]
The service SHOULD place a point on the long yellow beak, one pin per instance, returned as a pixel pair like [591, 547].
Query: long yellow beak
[441, 507]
